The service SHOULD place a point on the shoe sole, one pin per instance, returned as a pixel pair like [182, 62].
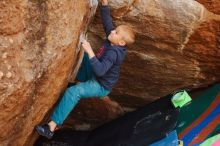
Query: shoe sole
[41, 133]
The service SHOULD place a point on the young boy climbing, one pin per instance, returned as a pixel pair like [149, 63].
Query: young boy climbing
[98, 73]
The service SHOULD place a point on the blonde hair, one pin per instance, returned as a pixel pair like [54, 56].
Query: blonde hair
[129, 38]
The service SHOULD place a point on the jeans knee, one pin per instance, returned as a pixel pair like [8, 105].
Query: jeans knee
[73, 93]
[69, 91]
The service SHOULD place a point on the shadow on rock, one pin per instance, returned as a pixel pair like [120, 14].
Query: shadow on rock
[139, 128]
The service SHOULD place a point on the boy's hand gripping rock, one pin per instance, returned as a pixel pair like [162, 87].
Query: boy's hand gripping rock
[104, 2]
[86, 46]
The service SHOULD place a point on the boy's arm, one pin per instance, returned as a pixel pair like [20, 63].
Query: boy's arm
[99, 67]
[106, 17]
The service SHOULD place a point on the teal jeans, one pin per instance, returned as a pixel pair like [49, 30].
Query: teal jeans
[88, 87]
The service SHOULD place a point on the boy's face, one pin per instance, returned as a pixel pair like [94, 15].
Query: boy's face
[116, 36]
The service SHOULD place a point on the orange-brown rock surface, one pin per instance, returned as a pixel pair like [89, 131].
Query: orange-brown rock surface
[211, 5]
[38, 49]
[177, 46]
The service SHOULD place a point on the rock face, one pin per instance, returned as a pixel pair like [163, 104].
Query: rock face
[38, 49]
[177, 46]
[211, 5]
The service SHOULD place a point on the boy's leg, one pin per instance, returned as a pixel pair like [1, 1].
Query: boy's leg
[72, 95]
[85, 71]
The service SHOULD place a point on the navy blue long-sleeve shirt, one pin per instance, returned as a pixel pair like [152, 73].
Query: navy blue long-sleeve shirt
[107, 66]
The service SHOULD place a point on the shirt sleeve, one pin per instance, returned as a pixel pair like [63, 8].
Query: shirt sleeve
[106, 19]
[101, 67]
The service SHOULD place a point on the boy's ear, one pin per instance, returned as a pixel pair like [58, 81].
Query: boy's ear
[122, 43]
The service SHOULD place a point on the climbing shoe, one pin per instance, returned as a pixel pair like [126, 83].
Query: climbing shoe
[44, 130]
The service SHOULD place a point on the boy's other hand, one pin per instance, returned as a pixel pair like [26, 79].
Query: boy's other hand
[86, 46]
[88, 49]
[104, 2]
